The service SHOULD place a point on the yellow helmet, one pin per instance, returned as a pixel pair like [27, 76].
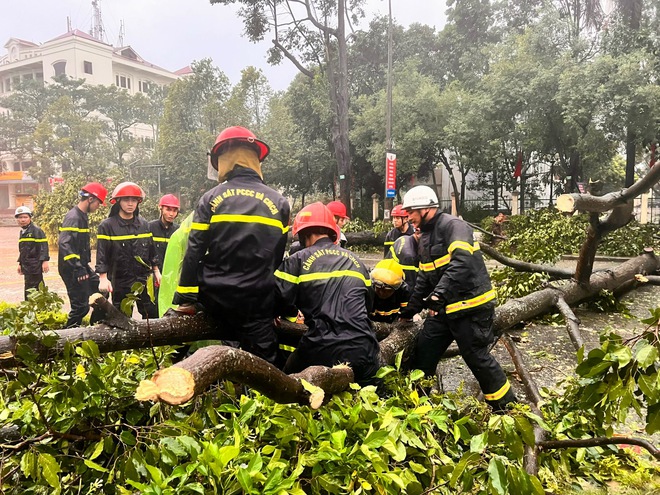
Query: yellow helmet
[387, 274]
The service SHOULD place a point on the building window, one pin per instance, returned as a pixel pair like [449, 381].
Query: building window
[87, 67]
[28, 77]
[60, 68]
[145, 86]
[123, 81]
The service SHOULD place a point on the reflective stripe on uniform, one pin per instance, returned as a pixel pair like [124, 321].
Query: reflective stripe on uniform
[32, 239]
[464, 245]
[73, 229]
[124, 237]
[71, 256]
[432, 265]
[386, 313]
[471, 303]
[199, 226]
[187, 290]
[410, 268]
[388, 243]
[288, 348]
[161, 239]
[271, 222]
[500, 393]
[309, 277]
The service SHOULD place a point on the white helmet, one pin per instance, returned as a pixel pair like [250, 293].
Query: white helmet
[420, 197]
[22, 210]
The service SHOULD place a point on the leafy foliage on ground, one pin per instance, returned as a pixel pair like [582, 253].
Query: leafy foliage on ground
[82, 431]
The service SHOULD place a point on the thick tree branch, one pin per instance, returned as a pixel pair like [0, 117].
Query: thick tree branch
[523, 266]
[293, 59]
[598, 442]
[572, 323]
[518, 361]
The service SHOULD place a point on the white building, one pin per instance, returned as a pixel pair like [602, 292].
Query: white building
[79, 56]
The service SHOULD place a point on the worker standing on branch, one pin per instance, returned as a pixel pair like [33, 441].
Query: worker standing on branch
[163, 228]
[32, 250]
[401, 227]
[453, 284]
[237, 240]
[338, 209]
[125, 251]
[75, 254]
[331, 287]
[391, 291]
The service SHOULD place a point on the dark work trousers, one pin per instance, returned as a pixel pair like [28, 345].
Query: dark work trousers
[32, 282]
[473, 334]
[145, 307]
[79, 293]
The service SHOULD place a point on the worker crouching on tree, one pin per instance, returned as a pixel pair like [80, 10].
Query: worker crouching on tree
[125, 250]
[75, 254]
[163, 228]
[453, 284]
[237, 240]
[331, 287]
[391, 291]
[32, 250]
[401, 228]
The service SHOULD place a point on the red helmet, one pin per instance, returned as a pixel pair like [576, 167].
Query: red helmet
[397, 211]
[316, 215]
[169, 200]
[94, 189]
[241, 134]
[337, 208]
[127, 190]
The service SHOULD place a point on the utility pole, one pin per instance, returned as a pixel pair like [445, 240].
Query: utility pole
[387, 202]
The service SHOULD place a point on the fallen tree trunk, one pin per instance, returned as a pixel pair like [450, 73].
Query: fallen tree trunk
[366, 238]
[179, 383]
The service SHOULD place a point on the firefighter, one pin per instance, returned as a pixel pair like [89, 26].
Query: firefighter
[125, 250]
[331, 287]
[401, 227]
[75, 254]
[453, 284]
[392, 292]
[338, 210]
[163, 228]
[237, 240]
[404, 252]
[32, 250]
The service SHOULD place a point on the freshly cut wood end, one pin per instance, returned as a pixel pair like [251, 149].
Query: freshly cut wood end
[566, 203]
[147, 390]
[641, 278]
[316, 398]
[95, 297]
[175, 385]
[341, 366]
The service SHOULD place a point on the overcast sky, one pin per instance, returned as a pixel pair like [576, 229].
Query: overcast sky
[173, 33]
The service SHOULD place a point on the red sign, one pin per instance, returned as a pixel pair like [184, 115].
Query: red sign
[55, 181]
[390, 171]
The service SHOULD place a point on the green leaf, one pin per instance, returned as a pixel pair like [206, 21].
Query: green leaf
[98, 449]
[228, 453]
[647, 356]
[49, 469]
[376, 439]
[128, 438]
[416, 375]
[468, 458]
[497, 476]
[95, 466]
[478, 442]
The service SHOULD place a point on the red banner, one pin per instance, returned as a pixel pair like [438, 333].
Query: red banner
[390, 172]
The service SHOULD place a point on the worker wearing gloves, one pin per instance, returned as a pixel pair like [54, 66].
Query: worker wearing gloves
[237, 240]
[391, 291]
[125, 250]
[401, 228]
[75, 254]
[163, 228]
[453, 284]
[32, 250]
[332, 289]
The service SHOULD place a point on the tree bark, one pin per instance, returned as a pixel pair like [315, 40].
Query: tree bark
[523, 266]
[366, 238]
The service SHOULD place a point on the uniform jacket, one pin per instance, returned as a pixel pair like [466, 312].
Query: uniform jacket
[393, 235]
[238, 234]
[331, 287]
[120, 242]
[387, 310]
[74, 252]
[404, 252]
[452, 266]
[161, 236]
[32, 249]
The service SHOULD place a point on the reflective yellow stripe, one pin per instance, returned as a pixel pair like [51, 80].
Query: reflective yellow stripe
[187, 290]
[404, 304]
[471, 303]
[410, 268]
[289, 348]
[71, 256]
[271, 222]
[199, 226]
[388, 243]
[124, 237]
[500, 393]
[394, 256]
[464, 245]
[161, 239]
[292, 319]
[73, 229]
[432, 265]
[321, 276]
[32, 239]
[386, 313]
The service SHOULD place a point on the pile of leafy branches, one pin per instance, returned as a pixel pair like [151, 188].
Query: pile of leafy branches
[82, 431]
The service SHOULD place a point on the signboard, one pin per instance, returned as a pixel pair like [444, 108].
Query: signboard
[55, 181]
[390, 175]
[12, 175]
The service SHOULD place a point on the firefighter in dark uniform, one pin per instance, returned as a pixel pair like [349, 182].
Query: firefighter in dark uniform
[163, 228]
[32, 250]
[454, 285]
[401, 227]
[75, 254]
[125, 252]
[338, 210]
[237, 240]
[404, 251]
[331, 287]
[392, 292]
